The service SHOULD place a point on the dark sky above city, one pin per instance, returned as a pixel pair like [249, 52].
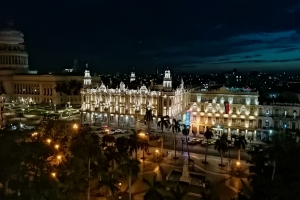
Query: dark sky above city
[184, 35]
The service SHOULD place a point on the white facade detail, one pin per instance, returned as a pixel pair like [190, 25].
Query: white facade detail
[126, 108]
[132, 76]
[167, 83]
[87, 80]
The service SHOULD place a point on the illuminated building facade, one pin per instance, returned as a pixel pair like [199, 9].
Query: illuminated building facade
[125, 107]
[284, 116]
[224, 111]
[21, 85]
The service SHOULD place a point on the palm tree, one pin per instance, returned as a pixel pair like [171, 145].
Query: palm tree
[122, 144]
[148, 118]
[222, 147]
[108, 140]
[208, 134]
[153, 191]
[85, 146]
[176, 193]
[163, 123]
[175, 129]
[240, 143]
[129, 168]
[112, 156]
[108, 183]
[206, 195]
[185, 132]
[69, 88]
[134, 142]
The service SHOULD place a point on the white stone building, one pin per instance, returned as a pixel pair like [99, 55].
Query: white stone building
[126, 107]
[233, 112]
[18, 83]
[277, 116]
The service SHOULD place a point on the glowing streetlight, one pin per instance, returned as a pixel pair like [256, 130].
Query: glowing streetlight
[142, 135]
[34, 134]
[59, 157]
[120, 195]
[53, 174]
[75, 126]
[56, 146]
[156, 153]
[48, 141]
[238, 165]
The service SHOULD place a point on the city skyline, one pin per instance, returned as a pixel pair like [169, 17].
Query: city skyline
[196, 36]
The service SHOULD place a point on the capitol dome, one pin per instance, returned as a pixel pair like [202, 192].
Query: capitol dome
[12, 49]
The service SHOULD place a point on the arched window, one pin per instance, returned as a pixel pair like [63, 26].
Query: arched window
[295, 113]
[259, 123]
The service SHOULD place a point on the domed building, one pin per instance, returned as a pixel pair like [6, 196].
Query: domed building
[18, 83]
[13, 54]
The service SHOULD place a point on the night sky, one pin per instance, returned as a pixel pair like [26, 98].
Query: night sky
[184, 35]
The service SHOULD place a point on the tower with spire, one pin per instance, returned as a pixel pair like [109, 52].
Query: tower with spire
[132, 76]
[87, 80]
[167, 83]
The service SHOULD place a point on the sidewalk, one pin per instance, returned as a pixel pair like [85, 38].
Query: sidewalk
[212, 166]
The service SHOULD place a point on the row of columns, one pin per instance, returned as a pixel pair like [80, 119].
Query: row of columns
[230, 130]
[27, 89]
[14, 60]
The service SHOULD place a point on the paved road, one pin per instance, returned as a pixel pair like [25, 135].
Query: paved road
[169, 144]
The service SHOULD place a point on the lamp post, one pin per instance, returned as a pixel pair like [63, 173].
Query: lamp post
[156, 153]
[238, 165]
[120, 191]
[142, 135]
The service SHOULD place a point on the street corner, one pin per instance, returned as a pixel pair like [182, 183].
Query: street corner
[147, 167]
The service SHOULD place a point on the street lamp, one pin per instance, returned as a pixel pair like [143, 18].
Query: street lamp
[75, 126]
[48, 141]
[156, 153]
[34, 134]
[238, 165]
[142, 135]
[120, 192]
[56, 146]
[53, 174]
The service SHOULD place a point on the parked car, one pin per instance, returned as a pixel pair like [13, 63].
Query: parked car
[119, 131]
[204, 143]
[112, 131]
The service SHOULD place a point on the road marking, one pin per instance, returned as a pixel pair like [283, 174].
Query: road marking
[215, 173]
[194, 194]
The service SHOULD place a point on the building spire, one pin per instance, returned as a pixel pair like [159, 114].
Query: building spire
[132, 76]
